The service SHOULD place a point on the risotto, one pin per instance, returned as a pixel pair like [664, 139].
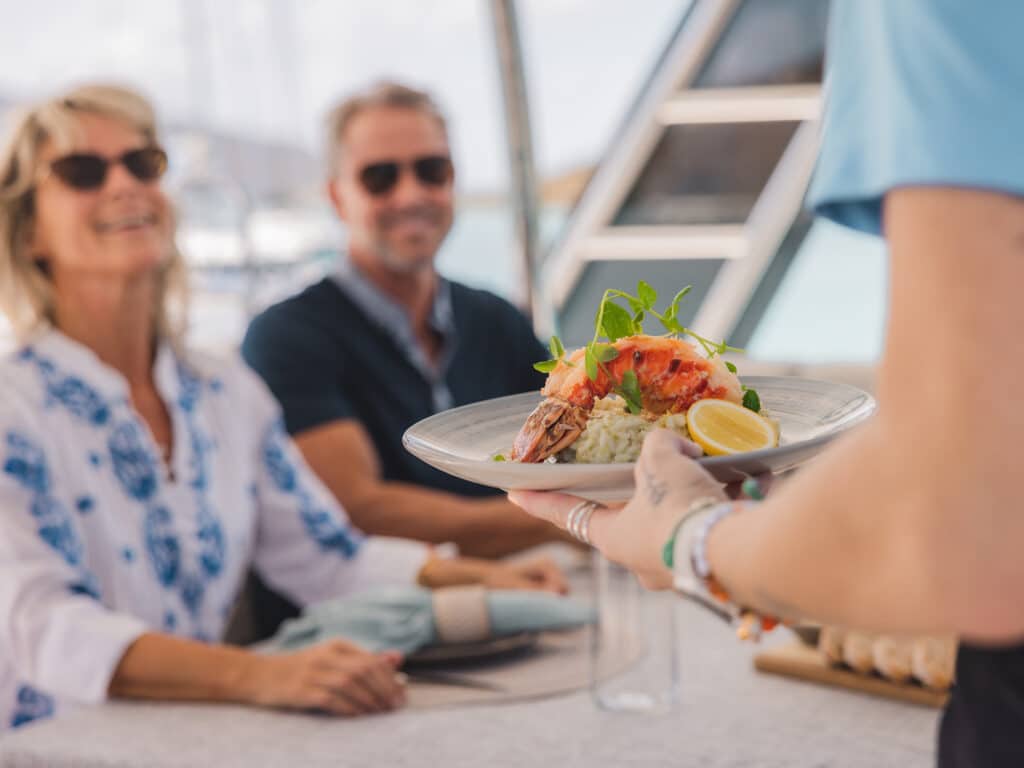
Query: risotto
[614, 435]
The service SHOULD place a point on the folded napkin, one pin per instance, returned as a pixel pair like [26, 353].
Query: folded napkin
[406, 619]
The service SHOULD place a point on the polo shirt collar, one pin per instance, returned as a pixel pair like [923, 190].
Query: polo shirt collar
[394, 319]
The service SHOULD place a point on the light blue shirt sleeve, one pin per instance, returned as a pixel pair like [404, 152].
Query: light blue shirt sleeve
[919, 93]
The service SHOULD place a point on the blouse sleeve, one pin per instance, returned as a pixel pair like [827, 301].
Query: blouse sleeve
[53, 624]
[306, 547]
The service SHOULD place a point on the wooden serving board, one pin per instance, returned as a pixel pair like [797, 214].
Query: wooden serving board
[806, 663]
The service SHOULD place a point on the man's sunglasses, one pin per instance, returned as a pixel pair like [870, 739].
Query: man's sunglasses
[380, 178]
[86, 170]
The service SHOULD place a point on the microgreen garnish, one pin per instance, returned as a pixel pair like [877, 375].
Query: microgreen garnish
[498, 457]
[613, 322]
[751, 400]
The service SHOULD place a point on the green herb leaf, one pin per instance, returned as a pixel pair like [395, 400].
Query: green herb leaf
[630, 390]
[647, 294]
[605, 353]
[751, 401]
[634, 303]
[638, 320]
[730, 366]
[557, 350]
[616, 322]
[545, 366]
[497, 457]
[590, 361]
[679, 297]
[672, 325]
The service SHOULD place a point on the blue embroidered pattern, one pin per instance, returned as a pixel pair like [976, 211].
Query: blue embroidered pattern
[56, 528]
[86, 586]
[134, 467]
[70, 391]
[137, 471]
[323, 525]
[26, 463]
[30, 705]
[193, 587]
[280, 469]
[210, 534]
[162, 545]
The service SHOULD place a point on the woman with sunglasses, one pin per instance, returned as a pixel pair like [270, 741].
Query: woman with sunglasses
[914, 523]
[138, 480]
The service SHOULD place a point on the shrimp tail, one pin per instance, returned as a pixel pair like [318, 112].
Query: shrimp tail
[554, 424]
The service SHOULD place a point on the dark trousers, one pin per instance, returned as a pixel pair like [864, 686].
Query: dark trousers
[983, 726]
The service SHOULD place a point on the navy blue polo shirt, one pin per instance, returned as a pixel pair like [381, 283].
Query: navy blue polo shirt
[341, 349]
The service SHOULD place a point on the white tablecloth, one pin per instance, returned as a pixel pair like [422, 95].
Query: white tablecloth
[730, 716]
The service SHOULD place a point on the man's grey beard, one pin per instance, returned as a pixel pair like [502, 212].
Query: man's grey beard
[400, 265]
[394, 262]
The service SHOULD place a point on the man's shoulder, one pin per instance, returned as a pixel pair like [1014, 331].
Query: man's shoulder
[320, 308]
[310, 302]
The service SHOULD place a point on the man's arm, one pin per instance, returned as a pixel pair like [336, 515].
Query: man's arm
[343, 455]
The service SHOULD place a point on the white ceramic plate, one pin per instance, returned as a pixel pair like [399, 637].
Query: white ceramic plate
[462, 441]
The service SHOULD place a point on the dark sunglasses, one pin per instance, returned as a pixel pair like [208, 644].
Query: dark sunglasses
[380, 178]
[87, 170]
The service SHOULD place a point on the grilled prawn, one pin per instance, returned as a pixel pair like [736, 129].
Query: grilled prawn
[671, 373]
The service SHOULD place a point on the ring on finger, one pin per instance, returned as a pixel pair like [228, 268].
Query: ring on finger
[578, 521]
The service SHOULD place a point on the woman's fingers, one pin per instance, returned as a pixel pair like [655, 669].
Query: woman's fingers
[664, 448]
[547, 505]
[367, 680]
[385, 683]
[555, 508]
[546, 574]
[666, 468]
[335, 703]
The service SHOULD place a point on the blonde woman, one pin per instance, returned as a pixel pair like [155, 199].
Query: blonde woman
[139, 482]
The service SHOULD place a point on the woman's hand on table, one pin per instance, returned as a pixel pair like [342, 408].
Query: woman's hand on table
[539, 573]
[668, 481]
[336, 677]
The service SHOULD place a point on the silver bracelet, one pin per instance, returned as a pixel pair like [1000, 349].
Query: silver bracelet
[686, 580]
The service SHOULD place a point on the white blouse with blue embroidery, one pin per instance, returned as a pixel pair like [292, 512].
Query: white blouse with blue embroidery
[99, 545]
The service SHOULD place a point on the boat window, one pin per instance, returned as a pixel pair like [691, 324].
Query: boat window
[830, 304]
[769, 42]
[705, 174]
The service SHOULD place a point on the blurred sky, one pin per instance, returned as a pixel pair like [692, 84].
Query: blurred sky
[269, 68]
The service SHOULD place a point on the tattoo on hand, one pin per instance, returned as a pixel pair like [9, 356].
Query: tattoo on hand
[656, 490]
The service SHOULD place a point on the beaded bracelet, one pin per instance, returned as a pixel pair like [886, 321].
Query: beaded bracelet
[749, 624]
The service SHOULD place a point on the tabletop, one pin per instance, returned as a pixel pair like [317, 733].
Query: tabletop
[729, 716]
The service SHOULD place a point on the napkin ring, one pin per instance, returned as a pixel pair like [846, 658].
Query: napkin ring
[578, 522]
[461, 614]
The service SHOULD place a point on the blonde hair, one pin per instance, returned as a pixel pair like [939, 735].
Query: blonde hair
[382, 94]
[26, 289]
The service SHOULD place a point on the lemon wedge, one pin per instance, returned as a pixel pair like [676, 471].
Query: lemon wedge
[722, 428]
